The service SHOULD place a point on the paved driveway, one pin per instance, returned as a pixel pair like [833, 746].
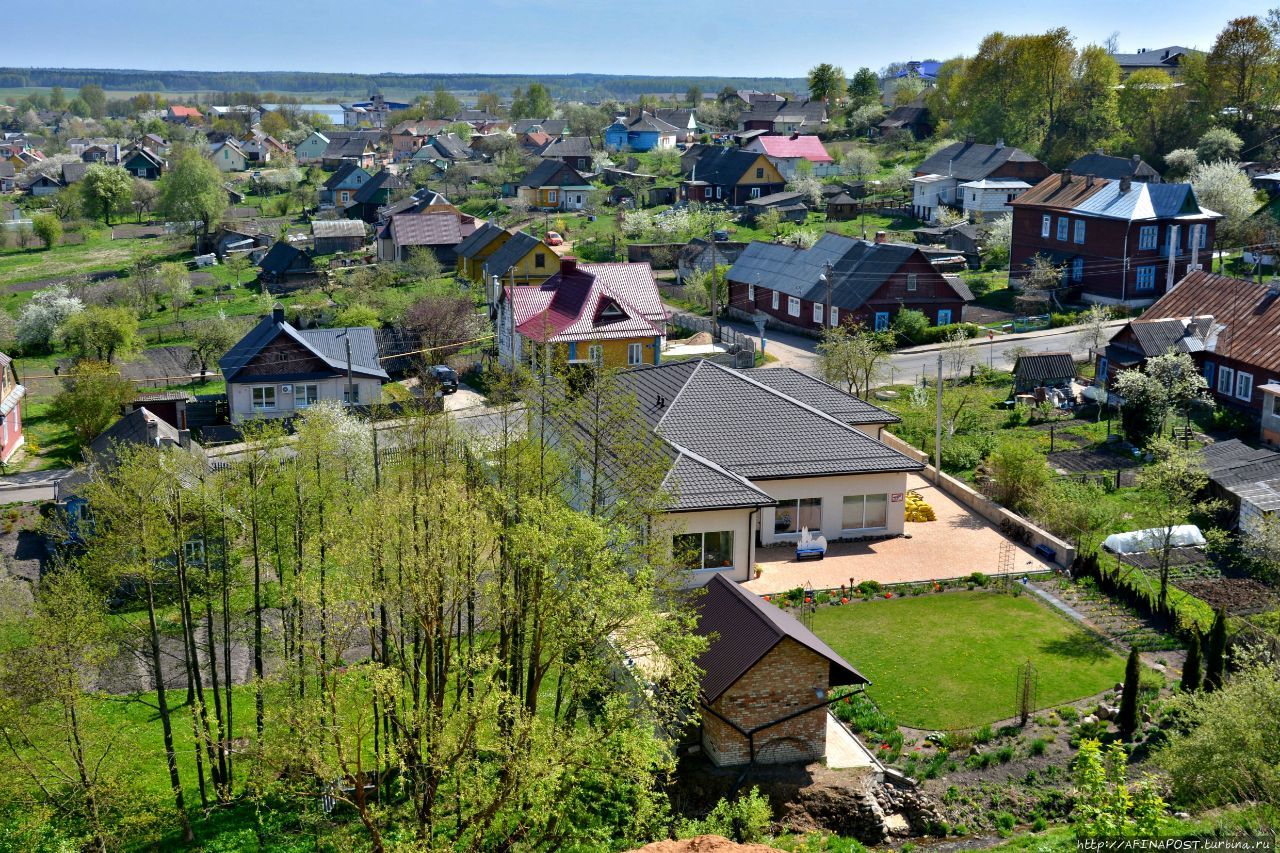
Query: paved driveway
[957, 544]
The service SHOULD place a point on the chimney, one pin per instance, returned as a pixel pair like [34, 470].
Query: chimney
[153, 428]
[1137, 158]
[184, 438]
[1099, 152]
[1065, 177]
[660, 402]
[968, 139]
[277, 314]
[999, 144]
[1088, 180]
[795, 134]
[882, 237]
[1125, 184]
[633, 112]
[568, 265]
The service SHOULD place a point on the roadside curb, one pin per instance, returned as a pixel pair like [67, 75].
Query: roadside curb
[1019, 336]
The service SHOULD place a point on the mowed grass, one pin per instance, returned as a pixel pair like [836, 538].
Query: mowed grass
[951, 660]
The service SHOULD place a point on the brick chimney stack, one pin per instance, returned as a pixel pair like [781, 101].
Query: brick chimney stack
[1066, 177]
[568, 265]
[882, 237]
[1126, 183]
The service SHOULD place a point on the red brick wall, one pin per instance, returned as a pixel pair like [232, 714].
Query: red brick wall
[781, 683]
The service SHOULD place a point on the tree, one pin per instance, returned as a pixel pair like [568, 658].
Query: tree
[693, 97]
[490, 103]
[957, 352]
[1018, 472]
[910, 325]
[1170, 382]
[210, 339]
[827, 83]
[95, 100]
[357, 314]
[1223, 188]
[90, 399]
[176, 284]
[1127, 721]
[1190, 681]
[1107, 805]
[442, 322]
[191, 191]
[443, 104]
[42, 316]
[1094, 324]
[1242, 67]
[422, 265]
[808, 186]
[1154, 113]
[1218, 143]
[1039, 284]
[769, 221]
[238, 265]
[106, 190]
[100, 334]
[1180, 162]
[534, 102]
[1215, 658]
[864, 88]
[274, 124]
[1173, 482]
[48, 228]
[854, 357]
[144, 195]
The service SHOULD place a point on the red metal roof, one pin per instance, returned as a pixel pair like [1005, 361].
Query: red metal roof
[591, 302]
[1248, 312]
[808, 147]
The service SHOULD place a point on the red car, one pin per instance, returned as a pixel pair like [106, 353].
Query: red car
[554, 239]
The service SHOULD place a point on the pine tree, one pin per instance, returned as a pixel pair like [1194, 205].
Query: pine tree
[1128, 719]
[1191, 669]
[1215, 659]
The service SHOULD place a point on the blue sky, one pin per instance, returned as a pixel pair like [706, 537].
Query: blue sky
[742, 37]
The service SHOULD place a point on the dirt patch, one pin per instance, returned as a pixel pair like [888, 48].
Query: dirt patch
[119, 232]
[1090, 459]
[704, 844]
[1240, 596]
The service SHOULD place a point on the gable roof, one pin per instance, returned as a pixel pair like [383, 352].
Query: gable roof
[1108, 199]
[450, 146]
[591, 302]
[344, 172]
[720, 166]
[972, 161]
[478, 239]
[645, 122]
[805, 111]
[1161, 57]
[327, 345]
[550, 126]
[1106, 166]
[743, 629]
[568, 146]
[444, 228]
[280, 257]
[512, 251]
[821, 395]
[344, 147]
[553, 173]
[1047, 365]
[384, 180]
[806, 146]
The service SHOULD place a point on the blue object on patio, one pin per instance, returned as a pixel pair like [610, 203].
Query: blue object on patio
[1046, 552]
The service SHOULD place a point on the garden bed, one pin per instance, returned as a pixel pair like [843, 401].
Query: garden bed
[1240, 596]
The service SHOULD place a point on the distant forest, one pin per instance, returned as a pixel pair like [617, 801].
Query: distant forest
[581, 86]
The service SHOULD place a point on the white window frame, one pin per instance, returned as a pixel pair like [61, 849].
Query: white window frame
[1148, 237]
[755, 192]
[1204, 234]
[1064, 227]
[913, 282]
[551, 196]
[1078, 236]
[847, 501]
[835, 316]
[1244, 386]
[1226, 380]
[635, 353]
[751, 293]
[261, 391]
[595, 354]
[817, 313]
[793, 306]
[1046, 224]
[303, 400]
[1145, 279]
[775, 300]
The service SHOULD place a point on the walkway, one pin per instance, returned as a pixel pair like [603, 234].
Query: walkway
[31, 486]
[845, 751]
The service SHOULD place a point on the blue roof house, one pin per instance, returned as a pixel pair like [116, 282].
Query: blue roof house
[640, 131]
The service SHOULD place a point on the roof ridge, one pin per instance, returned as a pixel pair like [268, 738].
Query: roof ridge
[657, 426]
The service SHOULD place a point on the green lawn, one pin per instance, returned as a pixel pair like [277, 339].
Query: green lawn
[949, 661]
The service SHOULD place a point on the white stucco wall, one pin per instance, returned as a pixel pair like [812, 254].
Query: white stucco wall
[715, 521]
[832, 491]
[240, 396]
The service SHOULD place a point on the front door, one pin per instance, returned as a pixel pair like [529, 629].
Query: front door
[882, 321]
[944, 317]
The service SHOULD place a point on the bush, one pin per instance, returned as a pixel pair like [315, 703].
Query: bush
[983, 735]
[1005, 821]
[745, 820]
[979, 579]
[938, 334]
[861, 714]
[1038, 746]
[869, 588]
[910, 325]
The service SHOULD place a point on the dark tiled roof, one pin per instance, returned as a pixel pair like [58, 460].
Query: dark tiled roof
[279, 258]
[1233, 463]
[820, 395]
[743, 628]
[328, 345]
[344, 171]
[1106, 166]
[511, 252]
[1042, 366]
[1161, 57]
[384, 181]
[570, 146]
[553, 173]
[696, 484]
[721, 166]
[479, 239]
[451, 147]
[972, 161]
[549, 126]
[428, 229]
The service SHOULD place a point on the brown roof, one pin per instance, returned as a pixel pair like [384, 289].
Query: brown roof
[1051, 192]
[1248, 314]
[743, 629]
[429, 229]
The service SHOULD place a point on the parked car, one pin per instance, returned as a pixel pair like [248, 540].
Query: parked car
[554, 239]
[443, 376]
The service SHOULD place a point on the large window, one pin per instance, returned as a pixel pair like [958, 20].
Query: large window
[1063, 224]
[817, 313]
[865, 512]
[796, 514]
[1244, 386]
[305, 395]
[1079, 237]
[264, 398]
[1226, 380]
[635, 353]
[1147, 236]
[704, 551]
[1146, 278]
[793, 306]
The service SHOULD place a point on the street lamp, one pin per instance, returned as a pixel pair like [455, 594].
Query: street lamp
[826, 279]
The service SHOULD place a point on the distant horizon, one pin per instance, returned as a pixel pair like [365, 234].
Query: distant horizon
[663, 38]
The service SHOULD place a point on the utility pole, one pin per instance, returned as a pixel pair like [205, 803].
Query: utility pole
[1173, 257]
[715, 326]
[937, 428]
[828, 273]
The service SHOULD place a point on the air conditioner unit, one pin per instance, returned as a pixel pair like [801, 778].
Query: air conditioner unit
[286, 389]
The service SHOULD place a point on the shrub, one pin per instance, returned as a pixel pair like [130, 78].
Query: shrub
[1068, 713]
[862, 715]
[983, 735]
[979, 579]
[1004, 754]
[1005, 821]
[870, 588]
[1038, 746]
[1039, 823]
[744, 820]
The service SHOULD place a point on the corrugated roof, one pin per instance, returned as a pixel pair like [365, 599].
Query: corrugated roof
[444, 228]
[328, 345]
[512, 251]
[1041, 366]
[972, 161]
[475, 243]
[1247, 314]
[589, 303]
[1106, 198]
[743, 629]
[806, 146]
[338, 228]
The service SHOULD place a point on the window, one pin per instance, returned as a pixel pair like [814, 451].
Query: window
[1208, 373]
[264, 398]
[882, 320]
[635, 353]
[1204, 232]
[835, 316]
[305, 395]
[193, 552]
[793, 306]
[1044, 225]
[1146, 278]
[595, 354]
[817, 313]
[760, 172]
[540, 260]
[912, 282]
[944, 316]
[796, 514]
[1226, 380]
[719, 193]
[1077, 269]
[699, 552]
[775, 300]
[1079, 231]
[865, 512]
[1147, 236]
[1063, 224]
[1244, 386]
[751, 293]
[551, 196]
[348, 393]
[755, 192]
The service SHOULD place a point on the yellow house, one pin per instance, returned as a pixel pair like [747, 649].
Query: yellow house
[476, 249]
[606, 315]
[522, 259]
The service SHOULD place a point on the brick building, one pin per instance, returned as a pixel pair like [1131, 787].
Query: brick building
[766, 682]
[1113, 239]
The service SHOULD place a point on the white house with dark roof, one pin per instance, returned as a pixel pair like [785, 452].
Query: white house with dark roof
[939, 178]
[757, 456]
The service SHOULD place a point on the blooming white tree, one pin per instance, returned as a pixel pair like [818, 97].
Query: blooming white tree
[997, 237]
[1223, 188]
[41, 317]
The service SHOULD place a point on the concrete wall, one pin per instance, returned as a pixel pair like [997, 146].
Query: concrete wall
[984, 506]
[781, 683]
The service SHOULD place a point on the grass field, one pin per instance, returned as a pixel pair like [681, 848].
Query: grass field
[950, 661]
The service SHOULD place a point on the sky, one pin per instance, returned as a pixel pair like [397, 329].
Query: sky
[683, 37]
